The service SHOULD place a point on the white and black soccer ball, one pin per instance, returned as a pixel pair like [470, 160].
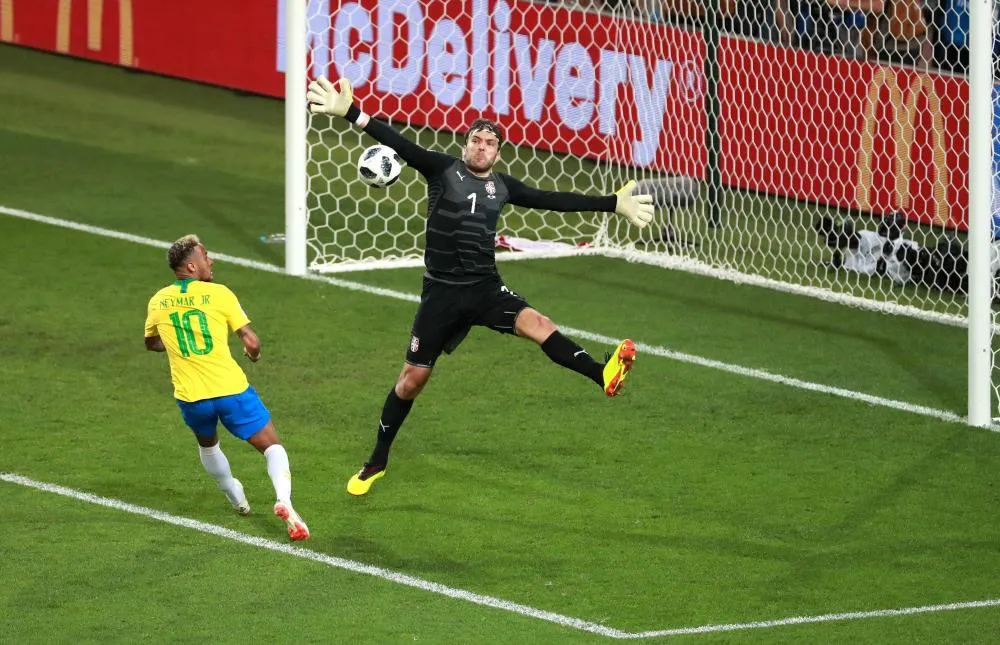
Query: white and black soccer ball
[379, 166]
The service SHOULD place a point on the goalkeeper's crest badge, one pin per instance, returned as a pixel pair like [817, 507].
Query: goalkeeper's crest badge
[414, 343]
[491, 190]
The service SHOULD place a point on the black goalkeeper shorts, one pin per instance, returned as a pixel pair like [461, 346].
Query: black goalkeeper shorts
[447, 312]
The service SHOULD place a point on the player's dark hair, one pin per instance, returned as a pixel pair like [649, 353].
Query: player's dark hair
[484, 124]
[181, 250]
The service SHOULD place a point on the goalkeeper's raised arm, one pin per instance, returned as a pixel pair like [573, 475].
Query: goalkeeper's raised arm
[338, 100]
[637, 208]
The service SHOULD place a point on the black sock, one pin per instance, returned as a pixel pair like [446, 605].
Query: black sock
[568, 354]
[393, 414]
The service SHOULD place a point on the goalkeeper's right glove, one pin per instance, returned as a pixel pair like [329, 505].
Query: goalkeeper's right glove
[325, 99]
[637, 208]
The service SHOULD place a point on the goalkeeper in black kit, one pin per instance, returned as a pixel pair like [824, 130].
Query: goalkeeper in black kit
[461, 286]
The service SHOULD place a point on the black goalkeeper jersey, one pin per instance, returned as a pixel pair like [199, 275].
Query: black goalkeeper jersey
[463, 209]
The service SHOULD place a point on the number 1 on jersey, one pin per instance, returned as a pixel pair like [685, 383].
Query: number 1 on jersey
[472, 196]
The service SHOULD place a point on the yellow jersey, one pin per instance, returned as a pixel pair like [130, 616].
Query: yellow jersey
[193, 319]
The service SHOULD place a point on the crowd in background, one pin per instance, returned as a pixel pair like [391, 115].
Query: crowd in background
[927, 34]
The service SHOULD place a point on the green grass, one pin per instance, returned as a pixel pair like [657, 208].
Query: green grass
[698, 497]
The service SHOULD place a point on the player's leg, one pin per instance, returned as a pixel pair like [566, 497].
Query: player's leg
[397, 406]
[610, 375]
[398, 403]
[267, 443]
[505, 311]
[246, 417]
[561, 350]
[201, 417]
[438, 323]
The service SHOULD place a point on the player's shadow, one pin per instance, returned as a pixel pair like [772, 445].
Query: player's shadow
[736, 546]
[825, 549]
[831, 540]
[374, 553]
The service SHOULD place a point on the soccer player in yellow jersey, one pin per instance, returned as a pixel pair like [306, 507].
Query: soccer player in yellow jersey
[190, 320]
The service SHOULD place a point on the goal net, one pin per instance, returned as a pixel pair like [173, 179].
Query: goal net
[794, 145]
[582, 97]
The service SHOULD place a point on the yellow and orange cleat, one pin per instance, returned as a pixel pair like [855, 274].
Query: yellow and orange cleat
[618, 366]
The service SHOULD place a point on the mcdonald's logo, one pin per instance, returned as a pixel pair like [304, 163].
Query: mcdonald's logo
[95, 23]
[7, 21]
[904, 115]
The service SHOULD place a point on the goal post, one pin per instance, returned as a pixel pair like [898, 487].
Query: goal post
[981, 359]
[829, 153]
[296, 124]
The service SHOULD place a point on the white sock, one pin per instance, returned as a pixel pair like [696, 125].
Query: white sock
[215, 462]
[281, 474]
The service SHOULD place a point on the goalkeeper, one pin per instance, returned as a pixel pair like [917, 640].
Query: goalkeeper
[462, 287]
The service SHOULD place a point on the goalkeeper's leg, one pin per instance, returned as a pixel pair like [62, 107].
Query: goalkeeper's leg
[507, 312]
[565, 352]
[609, 375]
[439, 326]
[397, 405]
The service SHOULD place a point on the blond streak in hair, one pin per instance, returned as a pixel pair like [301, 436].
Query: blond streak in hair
[180, 250]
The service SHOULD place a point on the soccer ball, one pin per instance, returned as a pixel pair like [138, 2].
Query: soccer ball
[379, 166]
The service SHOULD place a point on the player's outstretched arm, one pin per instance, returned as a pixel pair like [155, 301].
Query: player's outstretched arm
[337, 99]
[637, 208]
[251, 343]
[155, 344]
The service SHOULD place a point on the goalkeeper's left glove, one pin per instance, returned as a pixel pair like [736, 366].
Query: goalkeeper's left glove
[324, 98]
[637, 208]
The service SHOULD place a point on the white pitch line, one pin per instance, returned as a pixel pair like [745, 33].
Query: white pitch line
[664, 352]
[825, 618]
[322, 558]
[461, 594]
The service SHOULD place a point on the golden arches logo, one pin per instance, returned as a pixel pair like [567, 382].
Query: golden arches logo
[904, 116]
[95, 22]
[7, 21]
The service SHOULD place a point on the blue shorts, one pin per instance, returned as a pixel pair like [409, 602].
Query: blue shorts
[244, 414]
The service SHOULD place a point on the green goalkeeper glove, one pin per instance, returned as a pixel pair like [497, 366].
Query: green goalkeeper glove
[637, 208]
[324, 98]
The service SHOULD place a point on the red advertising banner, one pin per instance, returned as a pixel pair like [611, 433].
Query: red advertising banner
[836, 131]
[603, 88]
[792, 123]
[224, 42]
